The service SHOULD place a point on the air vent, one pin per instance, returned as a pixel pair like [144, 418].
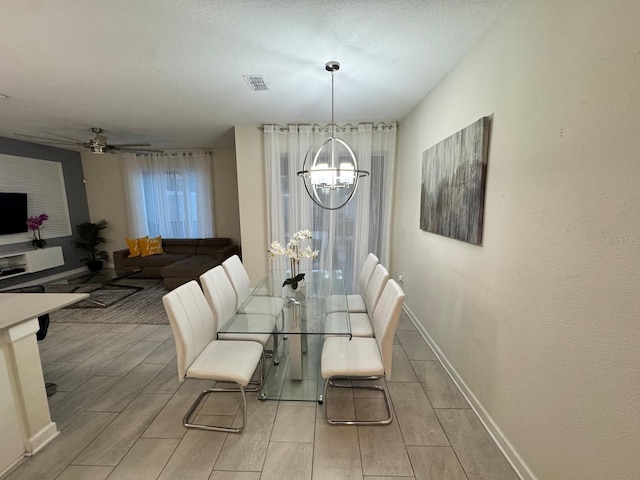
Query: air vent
[257, 83]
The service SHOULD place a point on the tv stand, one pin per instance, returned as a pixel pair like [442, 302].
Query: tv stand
[13, 264]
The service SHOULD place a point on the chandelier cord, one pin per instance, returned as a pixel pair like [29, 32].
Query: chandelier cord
[332, 122]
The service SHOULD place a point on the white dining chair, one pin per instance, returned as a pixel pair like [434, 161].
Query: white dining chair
[200, 355]
[361, 358]
[239, 278]
[354, 302]
[221, 296]
[361, 323]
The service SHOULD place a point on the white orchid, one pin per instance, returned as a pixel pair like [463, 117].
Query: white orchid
[308, 253]
[276, 249]
[294, 253]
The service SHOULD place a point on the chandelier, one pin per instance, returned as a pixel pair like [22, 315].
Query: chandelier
[331, 174]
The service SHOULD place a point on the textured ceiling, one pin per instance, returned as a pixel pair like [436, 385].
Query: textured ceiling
[169, 72]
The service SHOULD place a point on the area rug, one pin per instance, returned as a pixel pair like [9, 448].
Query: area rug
[131, 306]
[100, 296]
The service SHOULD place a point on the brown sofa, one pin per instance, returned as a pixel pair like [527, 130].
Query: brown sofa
[183, 260]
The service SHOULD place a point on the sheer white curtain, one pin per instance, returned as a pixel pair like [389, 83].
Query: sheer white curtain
[169, 194]
[345, 236]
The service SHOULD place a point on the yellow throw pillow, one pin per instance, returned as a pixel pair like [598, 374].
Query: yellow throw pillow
[134, 246]
[151, 246]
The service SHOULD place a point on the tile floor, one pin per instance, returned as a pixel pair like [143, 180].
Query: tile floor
[119, 407]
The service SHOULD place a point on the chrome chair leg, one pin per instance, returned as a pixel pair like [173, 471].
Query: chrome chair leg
[331, 381]
[186, 421]
[255, 386]
[274, 353]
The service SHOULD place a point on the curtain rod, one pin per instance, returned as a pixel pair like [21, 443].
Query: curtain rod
[352, 128]
[172, 154]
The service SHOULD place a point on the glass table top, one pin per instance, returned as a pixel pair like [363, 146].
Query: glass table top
[294, 370]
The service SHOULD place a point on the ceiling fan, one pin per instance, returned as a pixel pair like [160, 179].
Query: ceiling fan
[98, 144]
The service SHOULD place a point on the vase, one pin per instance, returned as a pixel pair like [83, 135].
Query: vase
[297, 297]
[297, 294]
[38, 243]
[94, 265]
[295, 303]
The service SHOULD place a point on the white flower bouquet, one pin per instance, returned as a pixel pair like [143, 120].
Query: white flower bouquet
[294, 251]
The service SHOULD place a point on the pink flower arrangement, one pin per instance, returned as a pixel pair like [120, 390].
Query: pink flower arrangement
[35, 223]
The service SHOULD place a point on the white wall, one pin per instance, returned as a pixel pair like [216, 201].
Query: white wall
[105, 195]
[252, 194]
[106, 198]
[225, 195]
[540, 323]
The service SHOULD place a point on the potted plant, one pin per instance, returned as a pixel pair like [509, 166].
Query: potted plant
[35, 224]
[89, 239]
[294, 253]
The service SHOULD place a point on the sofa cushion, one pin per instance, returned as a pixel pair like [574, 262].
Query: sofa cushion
[191, 267]
[153, 260]
[180, 245]
[134, 246]
[211, 246]
[151, 246]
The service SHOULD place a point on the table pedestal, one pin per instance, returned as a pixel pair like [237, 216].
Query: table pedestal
[297, 339]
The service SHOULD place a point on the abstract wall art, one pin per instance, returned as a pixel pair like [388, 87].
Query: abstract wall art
[453, 184]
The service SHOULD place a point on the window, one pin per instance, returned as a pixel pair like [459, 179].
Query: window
[169, 195]
[334, 233]
[178, 203]
[345, 236]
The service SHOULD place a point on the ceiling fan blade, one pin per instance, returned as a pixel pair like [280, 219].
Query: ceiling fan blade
[138, 150]
[125, 145]
[52, 140]
[98, 144]
[69, 138]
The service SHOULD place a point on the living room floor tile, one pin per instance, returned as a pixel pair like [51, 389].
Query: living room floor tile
[131, 369]
[145, 460]
[418, 422]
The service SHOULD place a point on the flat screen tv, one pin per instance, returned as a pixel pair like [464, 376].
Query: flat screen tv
[13, 213]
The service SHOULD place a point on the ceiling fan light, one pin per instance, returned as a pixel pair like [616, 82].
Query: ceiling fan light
[98, 149]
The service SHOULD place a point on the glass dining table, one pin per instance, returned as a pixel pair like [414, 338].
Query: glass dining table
[294, 372]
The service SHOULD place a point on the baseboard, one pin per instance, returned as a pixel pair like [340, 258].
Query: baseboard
[503, 443]
[12, 466]
[42, 438]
